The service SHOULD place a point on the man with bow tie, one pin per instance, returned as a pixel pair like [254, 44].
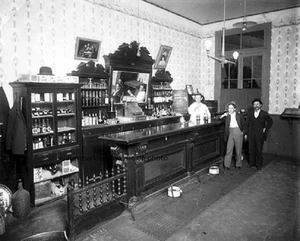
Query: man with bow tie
[257, 125]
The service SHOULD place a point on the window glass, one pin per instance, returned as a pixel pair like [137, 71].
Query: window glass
[252, 72]
[230, 76]
[232, 42]
[253, 39]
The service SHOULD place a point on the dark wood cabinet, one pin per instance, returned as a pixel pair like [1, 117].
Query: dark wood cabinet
[53, 155]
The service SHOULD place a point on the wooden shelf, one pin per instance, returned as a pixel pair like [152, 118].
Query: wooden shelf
[56, 175]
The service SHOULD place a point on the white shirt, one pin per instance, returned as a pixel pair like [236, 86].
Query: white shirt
[198, 109]
[256, 113]
[233, 122]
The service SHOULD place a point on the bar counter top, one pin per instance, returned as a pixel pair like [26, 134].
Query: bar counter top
[136, 136]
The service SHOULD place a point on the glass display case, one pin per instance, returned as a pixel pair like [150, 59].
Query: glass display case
[95, 96]
[162, 93]
[52, 115]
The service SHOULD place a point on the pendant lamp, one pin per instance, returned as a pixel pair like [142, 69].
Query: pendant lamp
[222, 60]
[244, 25]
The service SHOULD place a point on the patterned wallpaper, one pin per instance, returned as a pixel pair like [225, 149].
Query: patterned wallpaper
[285, 73]
[43, 32]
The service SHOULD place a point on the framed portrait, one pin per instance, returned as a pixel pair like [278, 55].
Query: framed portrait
[163, 57]
[87, 49]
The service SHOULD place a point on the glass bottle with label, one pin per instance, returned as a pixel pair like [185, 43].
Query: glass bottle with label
[106, 100]
[44, 127]
[49, 129]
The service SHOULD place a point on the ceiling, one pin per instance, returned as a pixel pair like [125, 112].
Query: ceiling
[211, 11]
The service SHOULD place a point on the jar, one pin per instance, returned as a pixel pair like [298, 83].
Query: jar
[20, 202]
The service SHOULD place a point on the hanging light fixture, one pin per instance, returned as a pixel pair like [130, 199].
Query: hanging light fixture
[222, 60]
[244, 24]
[138, 53]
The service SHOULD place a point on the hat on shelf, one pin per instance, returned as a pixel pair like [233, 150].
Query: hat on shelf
[45, 70]
[257, 100]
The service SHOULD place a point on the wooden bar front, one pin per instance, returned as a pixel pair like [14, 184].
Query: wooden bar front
[157, 156]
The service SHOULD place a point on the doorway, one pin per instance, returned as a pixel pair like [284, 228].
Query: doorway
[249, 77]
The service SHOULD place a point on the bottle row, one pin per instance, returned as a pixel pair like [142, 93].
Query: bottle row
[95, 84]
[37, 111]
[48, 97]
[42, 125]
[42, 142]
[162, 96]
[162, 110]
[162, 86]
[47, 140]
[94, 98]
[94, 118]
[65, 138]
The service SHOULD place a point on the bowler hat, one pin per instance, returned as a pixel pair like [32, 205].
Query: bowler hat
[45, 70]
[257, 100]
[231, 103]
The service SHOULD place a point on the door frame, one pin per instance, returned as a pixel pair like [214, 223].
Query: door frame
[265, 86]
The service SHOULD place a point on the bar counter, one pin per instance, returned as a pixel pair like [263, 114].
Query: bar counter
[136, 136]
[158, 156]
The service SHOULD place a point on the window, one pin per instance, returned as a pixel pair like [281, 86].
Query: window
[248, 71]
[253, 39]
[230, 76]
[252, 72]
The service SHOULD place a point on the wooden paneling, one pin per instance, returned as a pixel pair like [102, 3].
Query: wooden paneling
[283, 138]
[242, 97]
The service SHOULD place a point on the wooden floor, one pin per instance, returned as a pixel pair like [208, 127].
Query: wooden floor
[252, 210]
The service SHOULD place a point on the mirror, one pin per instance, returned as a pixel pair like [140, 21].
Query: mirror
[127, 86]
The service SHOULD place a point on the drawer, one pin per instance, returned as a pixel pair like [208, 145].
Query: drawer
[44, 158]
[69, 153]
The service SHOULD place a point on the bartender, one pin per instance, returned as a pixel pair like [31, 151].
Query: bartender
[199, 112]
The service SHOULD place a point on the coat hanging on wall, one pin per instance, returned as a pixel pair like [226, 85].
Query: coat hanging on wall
[4, 111]
[16, 135]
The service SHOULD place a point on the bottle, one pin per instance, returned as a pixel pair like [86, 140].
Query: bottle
[44, 127]
[100, 97]
[45, 142]
[20, 202]
[205, 117]
[39, 129]
[100, 121]
[82, 119]
[87, 101]
[104, 117]
[83, 98]
[34, 127]
[40, 144]
[69, 137]
[106, 100]
[49, 129]
[51, 140]
[64, 139]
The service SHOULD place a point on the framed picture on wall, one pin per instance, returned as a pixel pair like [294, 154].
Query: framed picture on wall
[87, 49]
[163, 57]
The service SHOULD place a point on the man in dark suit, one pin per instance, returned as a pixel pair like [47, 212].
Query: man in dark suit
[257, 124]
